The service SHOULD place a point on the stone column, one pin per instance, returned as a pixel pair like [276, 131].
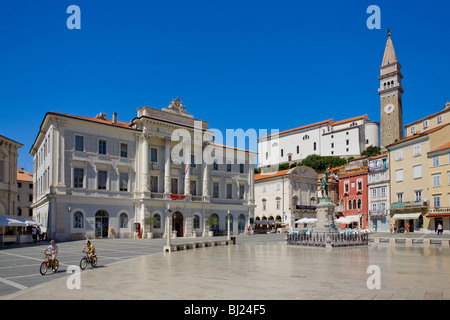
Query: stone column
[187, 180]
[167, 190]
[145, 162]
[206, 181]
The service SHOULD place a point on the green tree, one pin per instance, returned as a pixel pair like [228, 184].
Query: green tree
[371, 151]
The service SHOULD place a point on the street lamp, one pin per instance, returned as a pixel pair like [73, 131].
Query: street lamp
[228, 231]
[168, 212]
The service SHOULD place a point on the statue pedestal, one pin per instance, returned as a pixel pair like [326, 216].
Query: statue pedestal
[325, 212]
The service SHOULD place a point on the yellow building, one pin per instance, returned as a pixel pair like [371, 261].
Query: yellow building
[411, 177]
[439, 206]
[430, 122]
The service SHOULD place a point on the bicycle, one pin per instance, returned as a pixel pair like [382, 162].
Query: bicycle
[87, 259]
[48, 261]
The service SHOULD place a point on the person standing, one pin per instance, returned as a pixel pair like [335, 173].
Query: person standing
[439, 228]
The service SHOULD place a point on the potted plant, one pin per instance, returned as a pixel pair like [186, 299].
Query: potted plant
[211, 221]
[151, 223]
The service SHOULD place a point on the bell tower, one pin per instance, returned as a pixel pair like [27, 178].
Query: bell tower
[390, 91]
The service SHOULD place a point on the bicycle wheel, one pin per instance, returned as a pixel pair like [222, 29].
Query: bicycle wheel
[83, 263]
[43, 268]
[94, 261]
[55, 265]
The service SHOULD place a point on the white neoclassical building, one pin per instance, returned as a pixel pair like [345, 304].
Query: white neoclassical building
[100, 177]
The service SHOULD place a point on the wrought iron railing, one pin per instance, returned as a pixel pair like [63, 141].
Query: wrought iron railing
[320, 239]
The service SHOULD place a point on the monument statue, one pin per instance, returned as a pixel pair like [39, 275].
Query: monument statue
[324, 183]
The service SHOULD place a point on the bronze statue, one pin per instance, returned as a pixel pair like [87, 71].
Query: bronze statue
[324, 183]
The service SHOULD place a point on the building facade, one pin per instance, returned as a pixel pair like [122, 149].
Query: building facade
[378, 193]
[353, 194]
[25, 193]
[411, 178]
[99, 177]
[285, 196]
[439, 181]
[8, 176]
[345, 138]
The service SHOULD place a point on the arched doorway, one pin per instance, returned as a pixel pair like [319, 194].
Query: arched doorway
[177, 223]
[101, 224]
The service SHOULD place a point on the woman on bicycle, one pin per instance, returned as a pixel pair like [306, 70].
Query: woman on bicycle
[53, 251]
[91, 249]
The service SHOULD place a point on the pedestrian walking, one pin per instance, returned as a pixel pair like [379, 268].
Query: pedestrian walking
[34, 234]
[439, 228]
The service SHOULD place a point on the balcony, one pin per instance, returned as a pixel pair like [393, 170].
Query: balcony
[377, 213]
[409, 205]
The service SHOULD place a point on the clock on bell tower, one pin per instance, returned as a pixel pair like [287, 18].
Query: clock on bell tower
[390, 91]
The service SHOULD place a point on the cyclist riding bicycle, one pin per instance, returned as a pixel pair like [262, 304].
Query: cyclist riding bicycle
[91, 249]
[53, 251]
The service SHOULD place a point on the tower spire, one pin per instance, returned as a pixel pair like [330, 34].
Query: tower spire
[389, 52]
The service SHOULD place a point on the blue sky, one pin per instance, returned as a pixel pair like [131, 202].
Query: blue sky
[237, 64]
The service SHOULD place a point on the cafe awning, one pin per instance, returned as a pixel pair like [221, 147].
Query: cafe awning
[406, 216]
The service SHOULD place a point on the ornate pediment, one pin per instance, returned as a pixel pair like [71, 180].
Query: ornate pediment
[176, 106]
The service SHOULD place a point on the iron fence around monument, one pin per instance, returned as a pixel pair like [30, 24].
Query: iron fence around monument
[320, 239]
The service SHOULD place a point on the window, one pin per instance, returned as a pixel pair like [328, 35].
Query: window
[154, 155]
[359, 185]
[229, 191]
[174, 185]
[332, 145]
[298, 149]
[399, 155]
[359, 204]
[439, 118]
[400, 197]
[436, 180]
[241, 191]
[101, 181]
[418, 195]
[215, 190]
[436, 161]
[417, 150]
[425, 124]
[192, 161]
[154, 184]
[123, 220]
[228, 167]
[383, 191]
[193, 187]
[349, 205]
[78, 177]
[374, 192]
[399, 175]
[78, 221]
[196, 222]
[413, 129]
[278, 203]
[215, 166]
[79, 143]
[417, 171]
[264, 204]
[241, 168]
[437, 201]
[314, 146]
[346, 187]
[281, 152]
[123, 181]
[102, 146]
[123, 150]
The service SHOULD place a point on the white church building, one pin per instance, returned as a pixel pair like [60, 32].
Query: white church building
[98, 177]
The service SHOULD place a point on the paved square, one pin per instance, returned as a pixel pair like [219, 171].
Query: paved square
[254, 269]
